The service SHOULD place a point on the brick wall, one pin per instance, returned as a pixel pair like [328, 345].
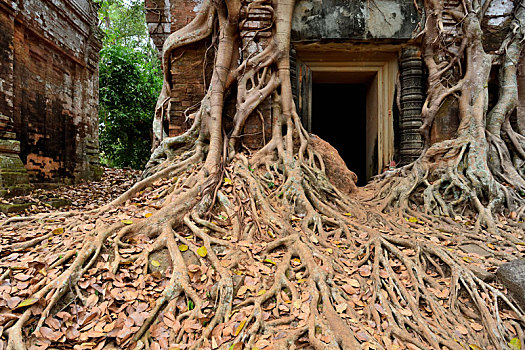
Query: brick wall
[54, 48]
[188, 82]
[188, 85]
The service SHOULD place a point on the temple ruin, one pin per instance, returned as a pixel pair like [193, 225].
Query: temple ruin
[355, 61]
[48, 92]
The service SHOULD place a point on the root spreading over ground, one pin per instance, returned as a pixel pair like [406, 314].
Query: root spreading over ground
[224, 248]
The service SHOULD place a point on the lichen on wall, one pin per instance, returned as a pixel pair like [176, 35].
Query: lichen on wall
[354, 20]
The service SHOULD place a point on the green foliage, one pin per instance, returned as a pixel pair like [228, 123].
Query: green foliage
[130, 81]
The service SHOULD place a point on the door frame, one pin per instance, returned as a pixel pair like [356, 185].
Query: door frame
[384, 66]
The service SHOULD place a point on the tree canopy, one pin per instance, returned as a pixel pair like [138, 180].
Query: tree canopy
[130, 80]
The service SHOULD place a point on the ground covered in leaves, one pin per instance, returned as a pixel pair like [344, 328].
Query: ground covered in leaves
[117, 292]
[83, 196]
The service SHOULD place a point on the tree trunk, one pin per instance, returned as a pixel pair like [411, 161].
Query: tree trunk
[262, 249]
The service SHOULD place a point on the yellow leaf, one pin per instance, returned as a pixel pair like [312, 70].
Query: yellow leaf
[467, 259]
[520, 243]
[240, 327]
[301, 280]
[183, 247]
[227, 181]
[269, 261]
[202, 251]
[348, 214]
[58, 231]
[155, 263]
[296, 260]
[515, 344]
[127, 222]
[270, 233]
[147, 215]
[474, 347]
[491, 246]
[261, 292]
[27, 302]
[412, 219]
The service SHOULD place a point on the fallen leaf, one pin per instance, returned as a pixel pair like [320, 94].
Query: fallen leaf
[362, 336]
[269, 261]
[476, 326]
[183, 247]
[48, 333]
[380, 309]
[127, 222]
[515, 344]
[365, 271]
[240, 327]
[27, 302]
[354, 283]
[58, 231]
[155, 263]
[202, 251]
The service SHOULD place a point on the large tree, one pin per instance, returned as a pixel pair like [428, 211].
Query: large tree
[261, 248]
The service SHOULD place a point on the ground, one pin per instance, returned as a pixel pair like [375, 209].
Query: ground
[82, 196]
[119, 291]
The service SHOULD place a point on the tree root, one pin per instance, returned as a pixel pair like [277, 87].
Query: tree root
[379, 283]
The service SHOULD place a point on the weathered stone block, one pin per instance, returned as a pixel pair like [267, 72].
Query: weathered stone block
[58, 202]
[9, 146]
[14, 179]
[512, 276]
[15, 207]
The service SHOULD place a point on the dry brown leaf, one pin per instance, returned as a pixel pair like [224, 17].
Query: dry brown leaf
[476, 326]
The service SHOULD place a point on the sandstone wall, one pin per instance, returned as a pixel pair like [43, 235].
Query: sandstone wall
[52, 89]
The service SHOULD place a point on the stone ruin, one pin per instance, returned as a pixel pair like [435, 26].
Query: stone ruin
[360, 50]
[347, 58]
[48, 92]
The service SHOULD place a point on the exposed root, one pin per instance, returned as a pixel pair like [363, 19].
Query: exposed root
[222, 249]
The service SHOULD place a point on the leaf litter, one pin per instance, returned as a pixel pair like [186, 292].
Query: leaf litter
[113, 302]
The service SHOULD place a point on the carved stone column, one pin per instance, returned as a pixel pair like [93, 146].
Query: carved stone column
[412, 97]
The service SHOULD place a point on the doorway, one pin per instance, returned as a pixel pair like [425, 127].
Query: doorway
[339, 117]
[347, 98]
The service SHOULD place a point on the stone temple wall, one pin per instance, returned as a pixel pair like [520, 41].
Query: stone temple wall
[49, 90]
[360, 24]
[188, 74]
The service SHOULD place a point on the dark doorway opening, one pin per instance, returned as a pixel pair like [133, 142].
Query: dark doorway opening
[339, 117]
